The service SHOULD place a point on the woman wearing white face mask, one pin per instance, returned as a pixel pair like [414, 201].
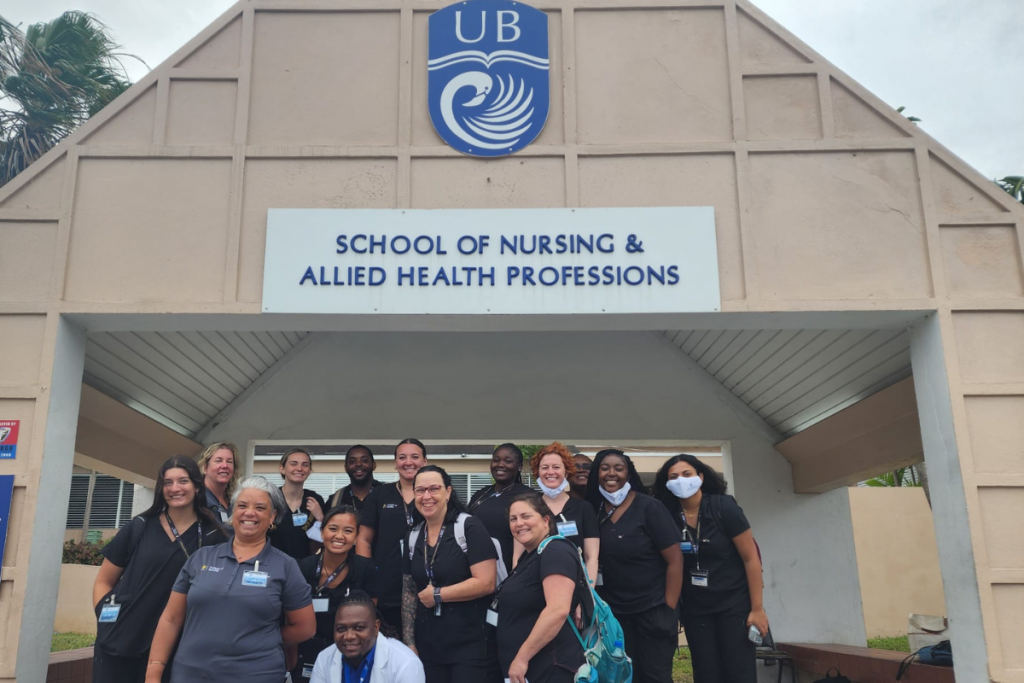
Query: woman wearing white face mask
[552, 467]
[722, 587]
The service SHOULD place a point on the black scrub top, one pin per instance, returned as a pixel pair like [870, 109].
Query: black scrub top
[359, 576]
[344, 496]
[150, 570]
[291, 539]
[581, 513]
[460, 634]
[631, 563]
[492, 509]
[520, 602]
[721, 520]
[386, 512]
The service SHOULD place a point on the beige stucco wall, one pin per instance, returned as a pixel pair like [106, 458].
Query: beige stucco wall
[825, 199]
[74, 601]
[897, 559]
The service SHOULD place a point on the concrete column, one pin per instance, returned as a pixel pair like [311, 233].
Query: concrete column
[47, 520]
[949, 504]
[142, 498]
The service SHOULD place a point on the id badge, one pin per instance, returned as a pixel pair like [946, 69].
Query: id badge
[492, 618]
[257, 579]
[108, 614]
[299, 518]
[699, 578]
[320, 604]
[568, 529]
[599, 581]
[224, 516]
[687, 548]
[307, 670]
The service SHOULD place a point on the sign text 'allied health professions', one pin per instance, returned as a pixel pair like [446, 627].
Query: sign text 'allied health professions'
[490, 261]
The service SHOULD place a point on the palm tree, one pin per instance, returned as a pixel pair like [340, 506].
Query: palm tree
[53, 77]
[1014, 185]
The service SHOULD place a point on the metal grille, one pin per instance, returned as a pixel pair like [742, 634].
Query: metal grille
[111, 502]
[76, 505]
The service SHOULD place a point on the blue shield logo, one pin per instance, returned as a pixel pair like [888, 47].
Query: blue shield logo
[488, 86]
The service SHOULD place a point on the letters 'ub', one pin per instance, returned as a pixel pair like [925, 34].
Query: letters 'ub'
[488, 77]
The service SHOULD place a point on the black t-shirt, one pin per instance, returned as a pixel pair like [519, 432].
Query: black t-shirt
[492, 509]
[460, 633]
[290, 538]
[631, 563]
[360, 575]
[521, 601]
[721, 520]
[581, 513]
[343, 496]
[145, 585]
[386, 512]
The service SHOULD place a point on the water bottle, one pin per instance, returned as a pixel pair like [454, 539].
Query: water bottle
[618, 657]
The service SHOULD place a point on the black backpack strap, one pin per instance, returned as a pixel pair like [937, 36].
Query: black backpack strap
[138, 528]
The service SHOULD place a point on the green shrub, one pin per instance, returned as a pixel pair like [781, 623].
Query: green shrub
[83, 553]
[71, 641]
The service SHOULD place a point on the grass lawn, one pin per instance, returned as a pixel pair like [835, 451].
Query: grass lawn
[70, 641]
[894, 643]
[682, 669]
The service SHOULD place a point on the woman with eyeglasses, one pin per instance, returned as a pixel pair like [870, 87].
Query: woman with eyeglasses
[140, 565]
[387, 515]
[553, 468]
[298, 532]
[490, 504]
[333, 575]
[640, 569]
[449, 574]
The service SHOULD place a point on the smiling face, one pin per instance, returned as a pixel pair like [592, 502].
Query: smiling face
[355, 631]
[579, 480]
[408, 461]
[527, 525]
[683, 469]
[340, 533]
[178, 489]
[297, 468]
[551, 470]
[431, 496]
[220, 468]
[504, 466]
[613, 473]
[252, 515]
[359, 466]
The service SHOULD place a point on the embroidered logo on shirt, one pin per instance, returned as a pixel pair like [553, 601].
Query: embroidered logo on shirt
[207, 568]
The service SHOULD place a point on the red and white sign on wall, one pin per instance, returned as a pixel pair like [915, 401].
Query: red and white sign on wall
[9, 439]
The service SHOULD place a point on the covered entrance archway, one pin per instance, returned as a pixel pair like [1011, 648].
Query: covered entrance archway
[839, 225]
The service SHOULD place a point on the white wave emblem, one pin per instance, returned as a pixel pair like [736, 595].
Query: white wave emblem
[498, 127]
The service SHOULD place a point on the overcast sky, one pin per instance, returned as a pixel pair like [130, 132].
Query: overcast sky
[956, 64]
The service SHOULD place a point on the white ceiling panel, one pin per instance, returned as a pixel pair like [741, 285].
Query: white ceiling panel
[795, 378]
[182, 379]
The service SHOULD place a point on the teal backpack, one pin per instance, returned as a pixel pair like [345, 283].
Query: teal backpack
[601, 639]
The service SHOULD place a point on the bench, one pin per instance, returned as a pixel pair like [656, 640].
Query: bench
[862, 664]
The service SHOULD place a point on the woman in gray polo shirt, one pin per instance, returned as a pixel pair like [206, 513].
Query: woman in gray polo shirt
[228, 602]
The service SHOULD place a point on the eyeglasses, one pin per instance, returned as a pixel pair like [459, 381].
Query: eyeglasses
[584, 466]
[432, 490]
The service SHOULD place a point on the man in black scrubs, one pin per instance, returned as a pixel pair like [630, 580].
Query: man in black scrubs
[359, 466]
[578, 483]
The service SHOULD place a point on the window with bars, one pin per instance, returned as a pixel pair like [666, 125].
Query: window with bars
[111, 506]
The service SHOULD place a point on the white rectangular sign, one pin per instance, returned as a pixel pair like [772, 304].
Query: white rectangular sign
[491, 261]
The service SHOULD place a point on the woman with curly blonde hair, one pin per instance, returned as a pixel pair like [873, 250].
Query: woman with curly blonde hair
[219, 464]
[552, 467]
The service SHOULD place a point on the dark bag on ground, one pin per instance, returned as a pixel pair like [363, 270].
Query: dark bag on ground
[940, 654]
[829, 678]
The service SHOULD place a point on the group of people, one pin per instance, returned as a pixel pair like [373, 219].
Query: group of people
[403, 582]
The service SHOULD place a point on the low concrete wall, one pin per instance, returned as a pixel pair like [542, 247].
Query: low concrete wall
[897, 559]
[74, 600]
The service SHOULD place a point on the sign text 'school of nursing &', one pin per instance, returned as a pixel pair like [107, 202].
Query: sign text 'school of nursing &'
[491, 261]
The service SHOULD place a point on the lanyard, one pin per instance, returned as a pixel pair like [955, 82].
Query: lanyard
[695, 541]
[493, 494]
[363, 672]
[199, 524]
[335, 574]
[408, 515]
[609, 515]
[437, 546]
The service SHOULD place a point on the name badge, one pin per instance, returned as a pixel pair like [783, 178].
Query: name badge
[492, 618]
[568, 529]
[699, 578]
[320, 604]
[299, 518]
[599, 581]
[224, 516]
[257, 579]
[108, 614]
[687, 548]
[307, 670]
